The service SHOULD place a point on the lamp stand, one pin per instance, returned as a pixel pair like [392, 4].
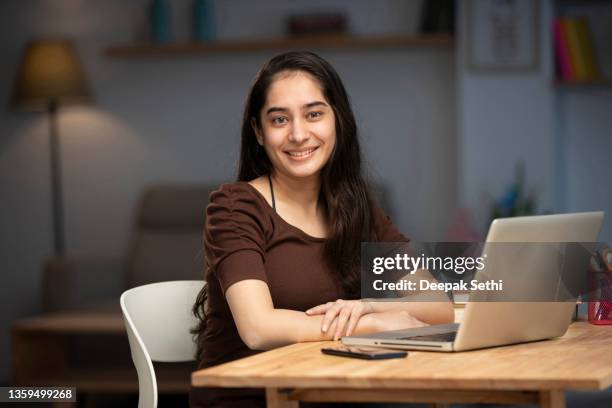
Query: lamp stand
[56, 181]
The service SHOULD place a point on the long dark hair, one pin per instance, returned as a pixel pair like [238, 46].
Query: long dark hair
[344, 194]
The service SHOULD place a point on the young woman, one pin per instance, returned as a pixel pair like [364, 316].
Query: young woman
[282, 244]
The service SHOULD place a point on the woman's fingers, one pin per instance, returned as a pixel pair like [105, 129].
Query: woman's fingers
[320, 309]
[342, 320]
[348, 313]
[353, 320]
[329, 317]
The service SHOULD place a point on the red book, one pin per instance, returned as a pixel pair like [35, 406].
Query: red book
[562, 51]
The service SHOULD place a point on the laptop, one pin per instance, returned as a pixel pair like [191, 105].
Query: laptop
[490, 324]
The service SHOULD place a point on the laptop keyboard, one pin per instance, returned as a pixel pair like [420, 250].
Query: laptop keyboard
[449, 336]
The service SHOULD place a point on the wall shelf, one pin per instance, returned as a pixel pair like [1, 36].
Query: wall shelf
[318, 42]
[597, 83]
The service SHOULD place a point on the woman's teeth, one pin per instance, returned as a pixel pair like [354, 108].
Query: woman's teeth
[302, 154]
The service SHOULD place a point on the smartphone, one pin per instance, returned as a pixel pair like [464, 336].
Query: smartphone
[364, 352]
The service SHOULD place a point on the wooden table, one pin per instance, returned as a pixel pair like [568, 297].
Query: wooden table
[537, 372]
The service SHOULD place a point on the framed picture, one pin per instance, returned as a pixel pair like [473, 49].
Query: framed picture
[502, 35]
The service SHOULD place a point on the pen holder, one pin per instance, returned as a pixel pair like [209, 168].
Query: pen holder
[600, 277]
[600, 312]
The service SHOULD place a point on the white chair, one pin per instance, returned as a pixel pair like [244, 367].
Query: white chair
[158, 320]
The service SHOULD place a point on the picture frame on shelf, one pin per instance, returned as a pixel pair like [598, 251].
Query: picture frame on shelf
[503, 36]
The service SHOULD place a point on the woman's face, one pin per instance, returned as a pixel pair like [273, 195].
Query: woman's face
[298, 130]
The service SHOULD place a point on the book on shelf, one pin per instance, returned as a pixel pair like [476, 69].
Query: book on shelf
[575, 55]
[562, 55]
[587, 47]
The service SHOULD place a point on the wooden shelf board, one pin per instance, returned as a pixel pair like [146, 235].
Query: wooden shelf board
[118, 380]
[583, 84]
[321, 41]
[72, 323]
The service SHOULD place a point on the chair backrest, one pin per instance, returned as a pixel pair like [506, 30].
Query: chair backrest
[166, 242]
[158, 320]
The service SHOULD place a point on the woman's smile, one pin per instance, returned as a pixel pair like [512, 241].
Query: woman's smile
[301, 154]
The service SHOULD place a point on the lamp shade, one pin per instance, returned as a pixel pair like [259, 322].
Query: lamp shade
[50, 73]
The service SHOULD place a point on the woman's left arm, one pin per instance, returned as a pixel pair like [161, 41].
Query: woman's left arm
[349, 312]
[427, 312]
[437, 309]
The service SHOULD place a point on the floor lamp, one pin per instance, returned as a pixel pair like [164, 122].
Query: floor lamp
[50, 75]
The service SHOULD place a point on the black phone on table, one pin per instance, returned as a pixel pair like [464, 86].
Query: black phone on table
[366, 353]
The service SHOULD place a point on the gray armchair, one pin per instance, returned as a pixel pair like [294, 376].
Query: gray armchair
[166, 244]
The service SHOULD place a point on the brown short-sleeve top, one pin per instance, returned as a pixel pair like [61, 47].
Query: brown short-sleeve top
[246, 239]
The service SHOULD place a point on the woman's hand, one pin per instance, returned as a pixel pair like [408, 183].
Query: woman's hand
[348, 313]
[394, 320]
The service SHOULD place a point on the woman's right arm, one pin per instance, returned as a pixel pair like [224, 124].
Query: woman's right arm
[262, 327]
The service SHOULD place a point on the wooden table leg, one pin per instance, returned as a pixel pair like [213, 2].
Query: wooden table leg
[552, 399]
[62, 404]
[279, 398]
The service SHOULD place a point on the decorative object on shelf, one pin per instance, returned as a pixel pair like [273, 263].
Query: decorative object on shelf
[203, 20]
[600, 273]
[437, 16]
[160, 18]
[316, 23]
[503, 35]
[574, 50]
[50, 75]
[515, 202]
